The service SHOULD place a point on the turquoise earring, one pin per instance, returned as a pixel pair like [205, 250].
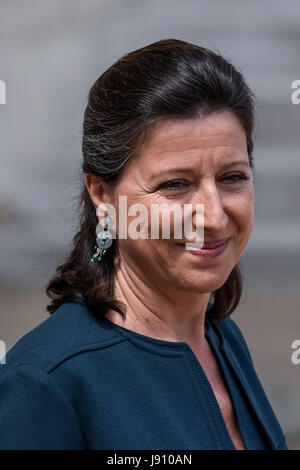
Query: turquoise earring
[103, 239]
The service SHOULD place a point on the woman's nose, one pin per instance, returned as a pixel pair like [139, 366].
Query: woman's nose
[215, 217]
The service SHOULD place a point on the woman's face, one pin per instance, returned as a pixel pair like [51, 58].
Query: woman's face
[190, 162]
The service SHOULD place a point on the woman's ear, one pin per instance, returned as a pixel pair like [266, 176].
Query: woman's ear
[101, 196]
[97, 189]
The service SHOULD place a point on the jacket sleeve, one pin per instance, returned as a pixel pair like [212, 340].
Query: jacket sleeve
[35, 413]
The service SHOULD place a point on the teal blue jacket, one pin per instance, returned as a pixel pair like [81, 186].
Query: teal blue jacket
[77, 382]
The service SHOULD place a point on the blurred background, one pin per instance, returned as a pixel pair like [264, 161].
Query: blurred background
[51, 53]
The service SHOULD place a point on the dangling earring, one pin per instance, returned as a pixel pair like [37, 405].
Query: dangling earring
[103, 238]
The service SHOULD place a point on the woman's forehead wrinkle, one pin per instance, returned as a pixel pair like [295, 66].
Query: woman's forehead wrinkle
[212, 141]
[189, 143]
[178, 155]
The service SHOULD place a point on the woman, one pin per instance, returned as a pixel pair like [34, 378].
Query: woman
[140, 351]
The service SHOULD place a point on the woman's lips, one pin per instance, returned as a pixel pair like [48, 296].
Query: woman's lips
[214, 250]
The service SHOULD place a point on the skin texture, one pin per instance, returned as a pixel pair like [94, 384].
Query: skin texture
[167, 289]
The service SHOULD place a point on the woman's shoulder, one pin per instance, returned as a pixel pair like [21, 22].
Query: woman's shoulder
[71, 330]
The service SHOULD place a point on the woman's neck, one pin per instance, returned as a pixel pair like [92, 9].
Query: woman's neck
[170, 316]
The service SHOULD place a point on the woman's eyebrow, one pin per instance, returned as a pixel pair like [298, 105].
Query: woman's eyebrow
[176, 170]
[191, 170]
[236, 162]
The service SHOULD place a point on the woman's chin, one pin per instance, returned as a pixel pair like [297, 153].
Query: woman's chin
[201, 283]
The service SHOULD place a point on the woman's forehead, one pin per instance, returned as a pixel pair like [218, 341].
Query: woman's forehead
[222, 129]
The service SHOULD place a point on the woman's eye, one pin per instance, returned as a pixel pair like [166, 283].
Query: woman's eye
[176, 185]
[172, 185]
[236, 178]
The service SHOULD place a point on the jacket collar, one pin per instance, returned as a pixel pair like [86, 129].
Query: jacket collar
[262, 409]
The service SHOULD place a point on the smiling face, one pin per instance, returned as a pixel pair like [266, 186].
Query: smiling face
[191, 161]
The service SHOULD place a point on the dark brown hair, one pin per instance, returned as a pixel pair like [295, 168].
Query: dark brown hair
[169, 79]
